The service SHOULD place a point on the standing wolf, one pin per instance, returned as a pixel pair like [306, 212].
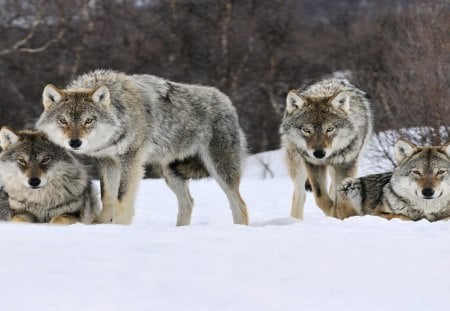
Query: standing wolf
[43, 181]
[325, 126]
[125, 121]
[419, 187]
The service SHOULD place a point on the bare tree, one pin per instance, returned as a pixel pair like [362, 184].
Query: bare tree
[34, 22]
[254, 51]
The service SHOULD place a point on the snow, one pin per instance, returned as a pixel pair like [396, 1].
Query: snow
[277, 263]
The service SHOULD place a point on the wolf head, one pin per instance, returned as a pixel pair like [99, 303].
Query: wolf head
[422, 172]
[318, 126]
[80, 120]
[30, 160]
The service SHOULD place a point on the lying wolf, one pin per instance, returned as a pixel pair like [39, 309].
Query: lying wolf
[418, 188]
[43, 182]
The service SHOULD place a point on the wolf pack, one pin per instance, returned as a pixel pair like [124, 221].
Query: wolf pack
[124, 122]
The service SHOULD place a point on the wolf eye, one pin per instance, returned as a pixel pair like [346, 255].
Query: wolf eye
[21, 161]
[46, 160]
[306, 130]
[416, 172]
[330, 129]
[89, 121]
[441, 172]
[63, 121]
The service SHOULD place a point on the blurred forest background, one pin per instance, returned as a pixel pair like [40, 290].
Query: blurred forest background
[255, 51]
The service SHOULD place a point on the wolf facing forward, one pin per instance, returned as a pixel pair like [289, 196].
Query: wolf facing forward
[325, 127]
[125, 121]
[418, 188]
[43, 181]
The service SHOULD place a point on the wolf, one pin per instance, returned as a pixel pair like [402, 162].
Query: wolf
[43, 182]
[325, 127]
[125, 121]
[418, 188]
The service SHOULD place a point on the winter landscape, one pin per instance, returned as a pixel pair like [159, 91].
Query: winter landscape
[255, 52]
[276, 263]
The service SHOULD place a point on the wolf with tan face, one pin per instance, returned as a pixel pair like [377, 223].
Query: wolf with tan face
[324, 128]
[418, 188]
[124, 121]
[44, 182]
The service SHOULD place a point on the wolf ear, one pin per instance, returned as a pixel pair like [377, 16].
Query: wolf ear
[403, 149]
[51, 95]
[7, 137]
[294, 101]
[100, 95]
[341, 102]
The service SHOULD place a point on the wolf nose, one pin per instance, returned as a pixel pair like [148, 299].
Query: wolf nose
[34, 182]
[319, 154]
[427, 192]
[75, 143]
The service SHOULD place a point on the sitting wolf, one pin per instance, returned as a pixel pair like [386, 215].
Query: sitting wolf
[43, 182]
[125, 121]
[324, 128]
[418, 188]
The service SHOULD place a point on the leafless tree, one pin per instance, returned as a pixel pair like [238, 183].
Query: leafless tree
[254, 51]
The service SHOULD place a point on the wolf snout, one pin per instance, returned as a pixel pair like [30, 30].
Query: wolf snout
[319, 154]
[75, 143]
[427, 193]
[34, 182]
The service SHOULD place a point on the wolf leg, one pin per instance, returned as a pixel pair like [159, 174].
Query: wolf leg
[131, 173]
[225, 167]
[317, 175]
[297, 172]
[333, 185]
[23, 217]
[338, 175]
[180, 187]
[65, 219]
[348, 199]
[109, 186]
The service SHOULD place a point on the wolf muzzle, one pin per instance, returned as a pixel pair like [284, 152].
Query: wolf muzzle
[34, 182]
[75, 143]
[427, 193]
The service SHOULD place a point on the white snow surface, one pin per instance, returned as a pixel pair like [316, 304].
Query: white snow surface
[277, 263]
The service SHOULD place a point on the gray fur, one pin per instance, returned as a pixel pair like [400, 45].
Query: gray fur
[190, 130]
[399, 192]
[331, 117]
[5, 211]
[66, 188]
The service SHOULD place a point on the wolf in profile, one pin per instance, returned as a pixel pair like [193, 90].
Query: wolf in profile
[44, 182]
[418, 188]
[325, 127]
[125, 121]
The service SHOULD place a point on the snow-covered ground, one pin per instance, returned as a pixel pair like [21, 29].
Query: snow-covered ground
[363, 263]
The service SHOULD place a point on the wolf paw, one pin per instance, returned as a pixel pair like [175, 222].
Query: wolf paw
[122, 217]
[104, 218]
[64, 220]
[122, 220]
